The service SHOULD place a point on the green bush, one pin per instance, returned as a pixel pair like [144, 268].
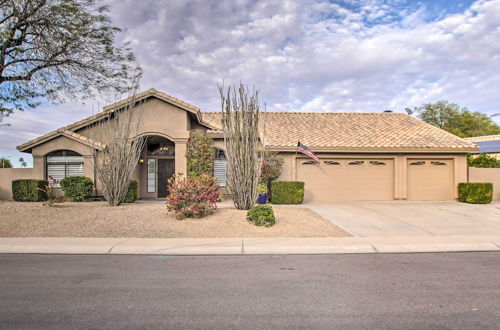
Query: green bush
[25, 190]
[483, 161]
[261, 215]
[77, 188]
[287, 192]
[131, 192]
[200, 154]
[475, 192]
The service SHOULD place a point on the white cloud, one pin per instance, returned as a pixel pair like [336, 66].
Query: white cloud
[308, 55]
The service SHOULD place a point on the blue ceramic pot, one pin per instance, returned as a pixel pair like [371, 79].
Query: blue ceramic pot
[263, 198]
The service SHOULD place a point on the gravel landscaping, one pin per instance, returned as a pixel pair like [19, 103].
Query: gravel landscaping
[97, 219]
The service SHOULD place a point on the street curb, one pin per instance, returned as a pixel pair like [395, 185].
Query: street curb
[249, 246]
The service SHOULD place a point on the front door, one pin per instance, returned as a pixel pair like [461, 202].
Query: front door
[165, 171]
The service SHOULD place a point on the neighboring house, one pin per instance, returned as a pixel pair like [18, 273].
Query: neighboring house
[488, 144]
[364, 156]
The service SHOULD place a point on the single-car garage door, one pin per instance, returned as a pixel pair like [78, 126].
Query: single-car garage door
[430, 179]
[347, 179]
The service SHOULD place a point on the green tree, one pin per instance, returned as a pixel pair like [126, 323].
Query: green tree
[483, 161]
[5, 163]
[23, 162]
[59, 49]
[200, 154]
[457, 120]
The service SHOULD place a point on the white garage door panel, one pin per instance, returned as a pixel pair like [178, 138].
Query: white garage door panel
[430, 179]
[347, 179]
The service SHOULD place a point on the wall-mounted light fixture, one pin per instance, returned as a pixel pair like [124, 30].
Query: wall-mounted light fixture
[141, 160]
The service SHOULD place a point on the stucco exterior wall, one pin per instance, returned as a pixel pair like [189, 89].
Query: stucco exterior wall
[7, 175]
[400, 167]
[487, 175]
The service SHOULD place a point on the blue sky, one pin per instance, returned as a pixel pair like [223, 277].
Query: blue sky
[306, 55]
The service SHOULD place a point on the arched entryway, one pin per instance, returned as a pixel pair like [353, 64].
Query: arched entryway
[156, 166]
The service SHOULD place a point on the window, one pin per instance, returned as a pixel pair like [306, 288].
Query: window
[331, 162]
[309, 162]
[417, 163]
[376, 162]
[151, 175]
[159, 146]
[220, 167]
[64, 163]
[356, 162]
[438, 163]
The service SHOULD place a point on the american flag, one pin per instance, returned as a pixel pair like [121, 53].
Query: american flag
[305, 150]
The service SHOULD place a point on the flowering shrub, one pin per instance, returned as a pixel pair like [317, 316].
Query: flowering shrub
[49, 191]
[192, 197]
[271, 168]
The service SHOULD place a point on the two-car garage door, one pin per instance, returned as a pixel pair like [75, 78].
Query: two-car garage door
[347, 179]
[340, 179]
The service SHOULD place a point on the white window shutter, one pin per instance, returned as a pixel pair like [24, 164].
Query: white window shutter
[220, 171]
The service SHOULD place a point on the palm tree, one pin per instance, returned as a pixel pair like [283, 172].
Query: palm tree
[5, 163]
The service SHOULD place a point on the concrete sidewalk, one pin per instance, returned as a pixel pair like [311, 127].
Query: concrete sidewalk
[243, 246]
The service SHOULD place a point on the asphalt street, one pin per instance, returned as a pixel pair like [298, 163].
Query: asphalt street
[364, 291]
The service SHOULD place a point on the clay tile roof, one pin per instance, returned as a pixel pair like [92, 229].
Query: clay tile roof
[156, 93]
[84, 139]
[352, 130]
[483, 138]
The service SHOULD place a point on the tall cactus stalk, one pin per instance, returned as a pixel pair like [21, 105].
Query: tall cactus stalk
[240, 124]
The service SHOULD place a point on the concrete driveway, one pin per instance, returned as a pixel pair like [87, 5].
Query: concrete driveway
[404, 218]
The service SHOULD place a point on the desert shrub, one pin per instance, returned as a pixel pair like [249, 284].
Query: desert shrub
[287, 192]
[49, 190]
[261, 215]
[25, 190]
[200, 154]
[131, 195]
[192, 197]
[77, 188]
[271, 168]
[475, 192]
[483, 161]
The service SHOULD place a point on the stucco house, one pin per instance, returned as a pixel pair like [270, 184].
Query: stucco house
[364, 156]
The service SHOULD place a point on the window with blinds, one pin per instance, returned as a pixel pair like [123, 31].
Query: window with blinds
[62, 164]
[220, 167]
[151, 175]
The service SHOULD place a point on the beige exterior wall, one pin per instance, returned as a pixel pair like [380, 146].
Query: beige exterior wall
[487, 175]
[7, 175]
[400, 168]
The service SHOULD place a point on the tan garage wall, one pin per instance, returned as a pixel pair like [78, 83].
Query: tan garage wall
[399, 162]
[430, 179]
[347, 179]
[487, 175]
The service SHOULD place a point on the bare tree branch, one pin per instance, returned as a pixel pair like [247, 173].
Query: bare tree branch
[240, 124]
